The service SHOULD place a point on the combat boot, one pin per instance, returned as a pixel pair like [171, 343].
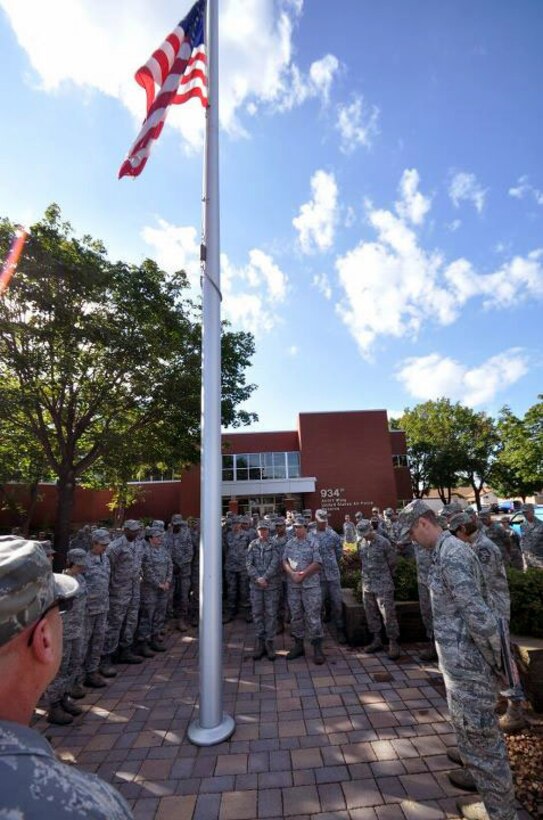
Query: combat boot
[454, 755]
[429, 653]
[341, 636]
[227, 617]
[374, 646]
[127, 656]
[280, 628]
[513, 719]
[156, 645]
[145, 650]
[182, 625]
[58, 716]
[393, 649]
[318, 654]
[106, 667]
[462, 779]
[270, 651]
[69, 706]
[78, 691]
[260, 650]
[94, 681]
[248, 618]
[297, 651]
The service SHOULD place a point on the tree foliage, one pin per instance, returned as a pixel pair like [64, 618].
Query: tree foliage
[518, 469]
[100, 361]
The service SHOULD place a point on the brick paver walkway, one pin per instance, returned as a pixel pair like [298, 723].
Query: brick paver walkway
[360, 738]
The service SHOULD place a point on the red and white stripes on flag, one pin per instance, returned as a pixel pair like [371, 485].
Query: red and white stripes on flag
[179, 70]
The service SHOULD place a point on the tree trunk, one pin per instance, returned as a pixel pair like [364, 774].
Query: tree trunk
[65, 503]
[32, 501]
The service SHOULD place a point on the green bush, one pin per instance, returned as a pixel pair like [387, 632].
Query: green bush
[526, 590]
[350, 570]
[405, 581]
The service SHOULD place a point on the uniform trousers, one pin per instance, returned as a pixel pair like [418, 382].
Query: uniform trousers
[264, 606]
[95, 635]
[381, 602]
[305, 605]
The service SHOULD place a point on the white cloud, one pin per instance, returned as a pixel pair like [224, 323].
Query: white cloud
[293, 350]
[175, 247]
[253, 295]
[523, 189]
[433, 376]
[392, 286]
[464, 187]
[317, 219]
[454, 225]
[256, 59]
[413, 206]
[322, 283]
[357, 124]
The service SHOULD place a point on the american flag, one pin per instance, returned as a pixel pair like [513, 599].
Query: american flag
[179, 70]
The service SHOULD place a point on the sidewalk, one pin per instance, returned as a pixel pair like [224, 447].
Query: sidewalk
[360, 738]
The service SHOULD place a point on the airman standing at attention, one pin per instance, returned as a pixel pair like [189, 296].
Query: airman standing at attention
[302, 563]
[531, 538]
[178, 542]
[97, 576]
[156, 579]
[235, 569]
[378, 562]
[279, 541]
[264, 571]
[331, 552]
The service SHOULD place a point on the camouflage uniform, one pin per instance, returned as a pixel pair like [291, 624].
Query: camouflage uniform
[492, 564]
[378, 561]
[304, 599]
[156, 569]
[283, 615]
[73, 646]
[179, 545]
[468, 646]
[263, 561]
[331, 552]
[349, 532]
[124, 592]
[423, 558]
[235, 570]
[34, 784]
[194, 600]
[97, 577]
[496, 533]
[531, 544]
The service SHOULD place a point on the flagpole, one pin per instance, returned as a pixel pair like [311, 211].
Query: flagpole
[212, 725]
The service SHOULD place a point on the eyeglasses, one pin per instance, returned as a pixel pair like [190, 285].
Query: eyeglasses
[63, 604]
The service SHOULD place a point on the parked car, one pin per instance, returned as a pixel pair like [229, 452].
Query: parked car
[518, 518]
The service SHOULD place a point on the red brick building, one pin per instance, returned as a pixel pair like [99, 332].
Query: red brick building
[343, 462]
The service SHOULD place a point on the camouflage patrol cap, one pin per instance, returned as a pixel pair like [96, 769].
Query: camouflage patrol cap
[280, 521]
[177, 518]
[321, 515]
[389, 511]
[131, 524]
[458, 520]
[47, 547]
[358, 515]
[158, 523]
[300, 521]
[28, 586]
[263, 525]
[527, 508]
[77, 556]
[411, 514]
[451, 509]
[156, 531]
[101, 536]
[363, 526]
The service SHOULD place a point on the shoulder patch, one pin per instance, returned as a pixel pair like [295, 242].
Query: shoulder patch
[484, 555]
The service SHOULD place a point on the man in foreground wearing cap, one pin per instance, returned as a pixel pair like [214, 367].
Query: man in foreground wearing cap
[531, 538]
[469, 649]
[302, 563]
[125, 554]
[331, 552]
[264, 571]
[378, 563]
[34, 785]
[97, 575]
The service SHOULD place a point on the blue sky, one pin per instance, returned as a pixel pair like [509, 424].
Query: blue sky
[381, 183]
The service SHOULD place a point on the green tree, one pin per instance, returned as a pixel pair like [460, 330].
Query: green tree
[478, 440]
[100, 359]
[518, 470]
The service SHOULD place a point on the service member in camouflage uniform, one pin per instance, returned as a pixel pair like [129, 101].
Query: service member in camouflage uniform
[125, 554]
[302, 563]
[377, 563]
[469, 648]
[424, 561]
[97, 575]
[178, 542]
[531, 538]
[279, 540]
[194, 599]
[331, 552]
[34, 785]
[264, 570]
[62, 708]
[496, 533]
[156, 579]
[235, 570]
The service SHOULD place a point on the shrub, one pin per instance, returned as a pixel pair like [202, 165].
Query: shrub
[526, 590]
[405, 580]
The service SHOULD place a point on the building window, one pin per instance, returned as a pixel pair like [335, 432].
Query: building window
[400, 461]
[260, 466]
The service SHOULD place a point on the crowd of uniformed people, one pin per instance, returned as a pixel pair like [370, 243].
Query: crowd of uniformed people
[280, 570]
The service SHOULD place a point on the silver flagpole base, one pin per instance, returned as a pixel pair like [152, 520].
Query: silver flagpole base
[210, 737]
